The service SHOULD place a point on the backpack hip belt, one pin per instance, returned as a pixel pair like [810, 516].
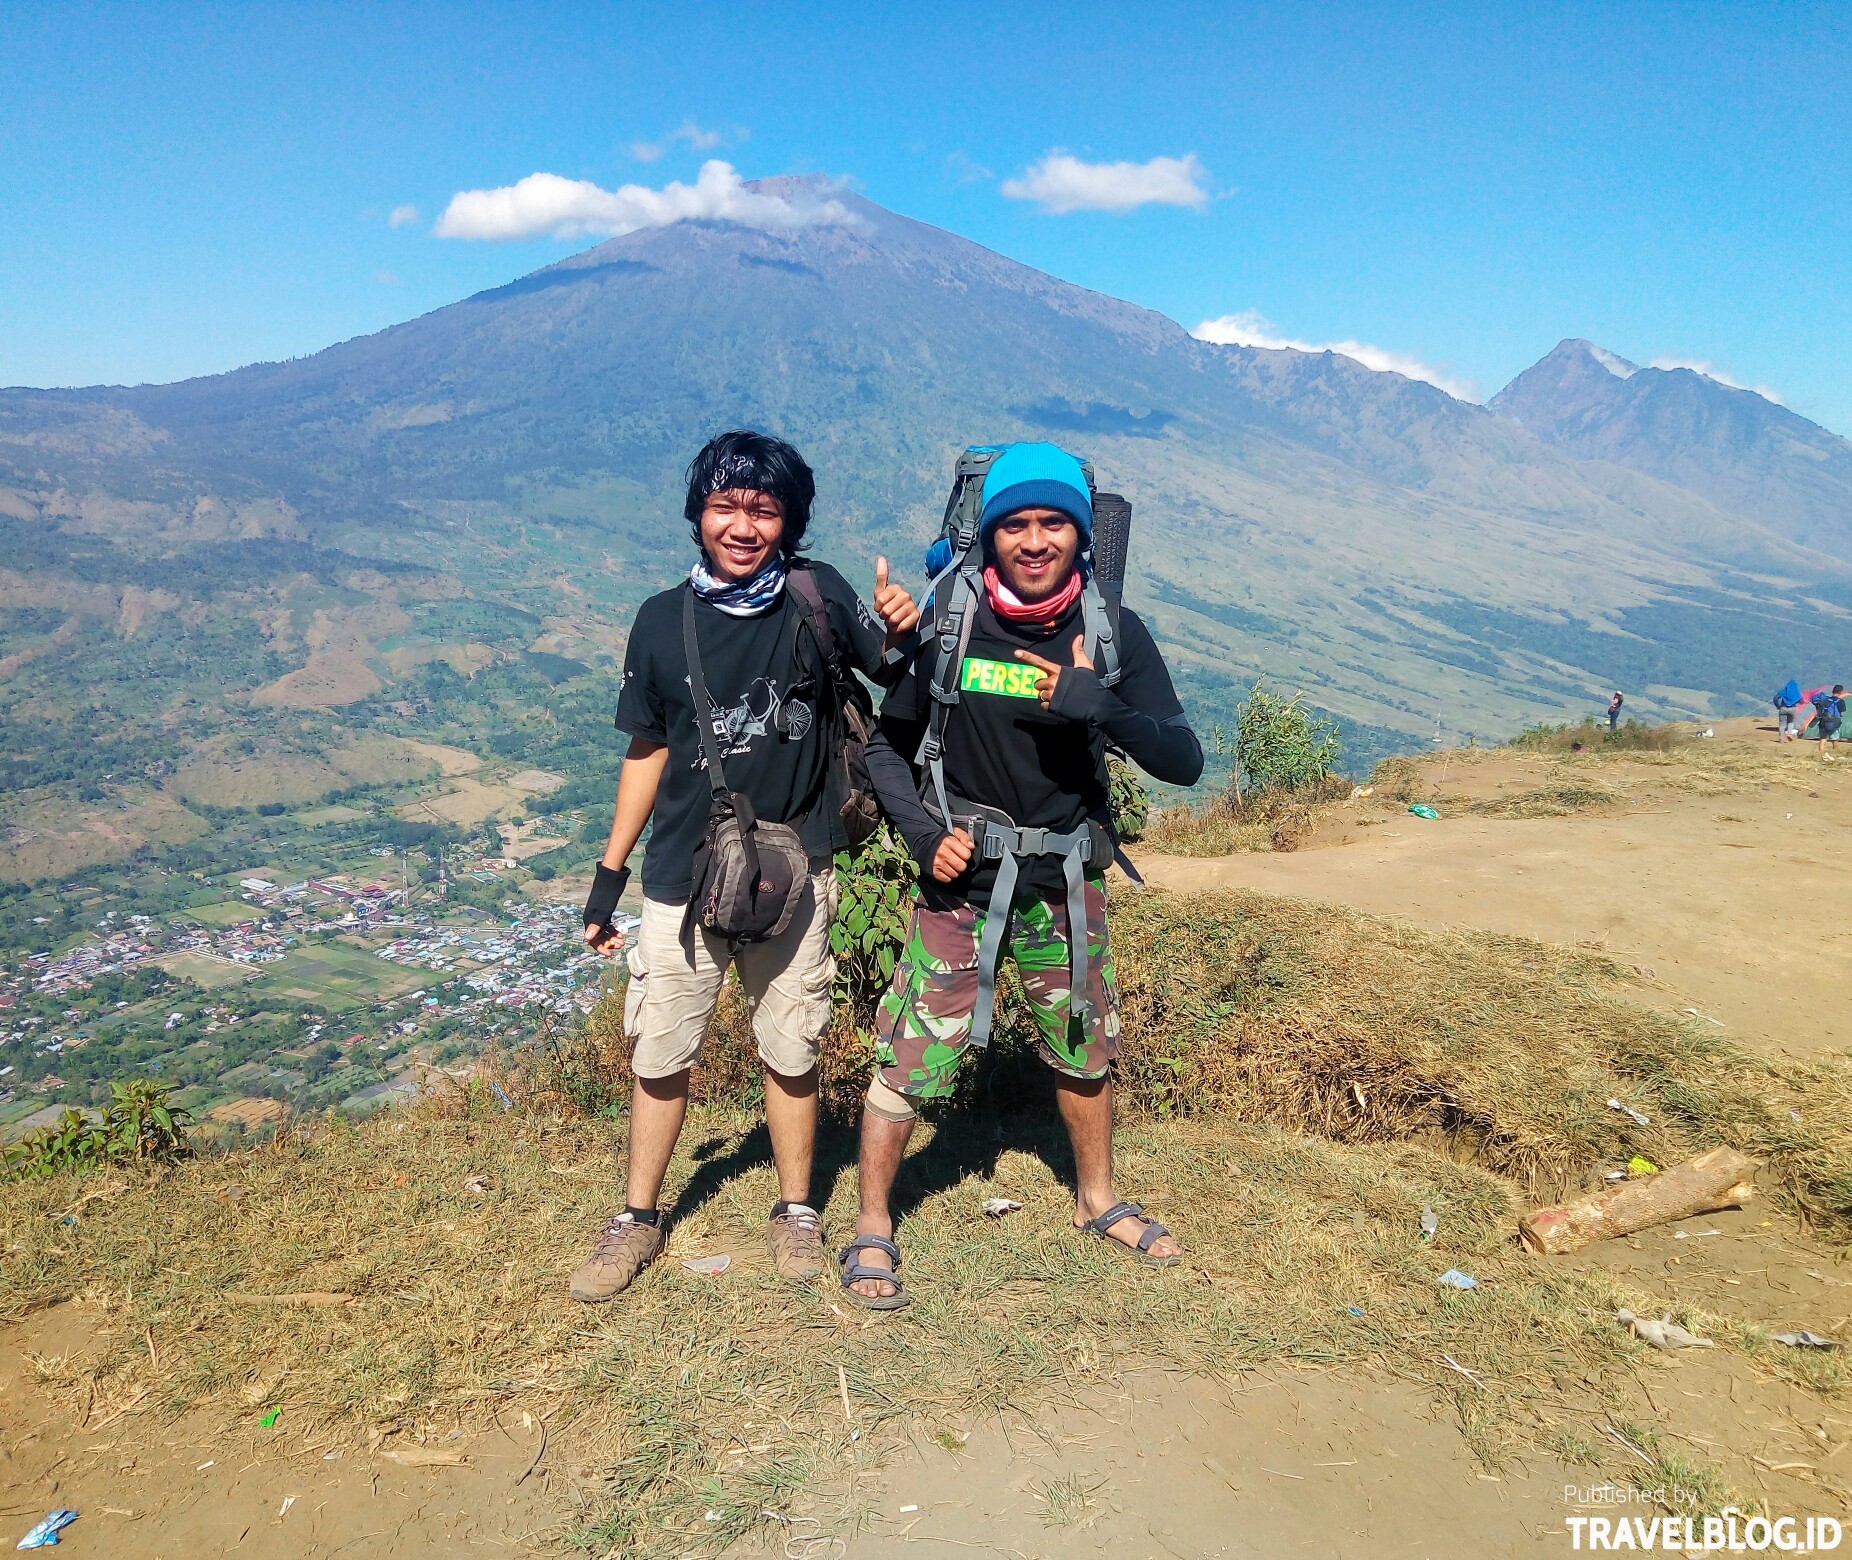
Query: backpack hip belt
[998, 838]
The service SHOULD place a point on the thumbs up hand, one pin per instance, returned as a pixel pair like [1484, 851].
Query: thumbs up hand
[895, 605]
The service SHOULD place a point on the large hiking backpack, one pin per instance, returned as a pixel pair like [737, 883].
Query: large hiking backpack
[949, 604]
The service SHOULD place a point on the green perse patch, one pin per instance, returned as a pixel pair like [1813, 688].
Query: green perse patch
[1012, 679]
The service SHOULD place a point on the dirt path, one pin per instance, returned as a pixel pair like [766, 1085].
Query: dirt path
[148, 1487]
[1740, 904]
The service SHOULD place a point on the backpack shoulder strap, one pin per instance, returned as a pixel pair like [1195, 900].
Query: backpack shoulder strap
[1099, 620]
[804, 587]
[954, 636]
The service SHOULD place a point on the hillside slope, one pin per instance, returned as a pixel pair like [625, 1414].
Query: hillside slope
[1395, 552]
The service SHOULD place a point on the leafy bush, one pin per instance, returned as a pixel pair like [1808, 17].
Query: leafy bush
[1131, 803]
[138, 1126]
[1280, 745]
[874, 907]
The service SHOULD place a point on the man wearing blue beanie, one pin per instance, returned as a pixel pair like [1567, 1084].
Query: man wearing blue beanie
[1012, 838]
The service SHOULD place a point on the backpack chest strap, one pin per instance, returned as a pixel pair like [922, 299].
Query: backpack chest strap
[1007, 845]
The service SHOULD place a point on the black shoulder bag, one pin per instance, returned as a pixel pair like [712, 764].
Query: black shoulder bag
[748, 875]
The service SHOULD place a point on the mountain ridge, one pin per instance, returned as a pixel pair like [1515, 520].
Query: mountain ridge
[1300, 516]
[1734, 446]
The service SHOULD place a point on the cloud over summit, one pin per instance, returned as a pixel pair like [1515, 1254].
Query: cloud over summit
[1253, 329]
[545, 204]
[1061, 183]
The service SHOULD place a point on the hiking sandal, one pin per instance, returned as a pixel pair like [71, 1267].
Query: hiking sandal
[1153, 1232]
[853, 1271]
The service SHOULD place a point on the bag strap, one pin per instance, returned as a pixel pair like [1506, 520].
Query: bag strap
[1099, 621]
[954, 639]
[804, 586]
[704, 706]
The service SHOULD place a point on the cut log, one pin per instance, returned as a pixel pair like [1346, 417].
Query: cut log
[1720, 1178]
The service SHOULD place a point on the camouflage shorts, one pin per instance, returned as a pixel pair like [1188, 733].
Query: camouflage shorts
[923, 1028]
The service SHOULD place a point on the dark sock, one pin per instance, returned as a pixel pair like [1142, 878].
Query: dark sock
[643, 1215]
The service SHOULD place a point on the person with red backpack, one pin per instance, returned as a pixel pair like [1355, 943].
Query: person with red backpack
[734, 694]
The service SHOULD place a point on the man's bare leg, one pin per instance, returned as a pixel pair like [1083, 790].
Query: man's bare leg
[657, 1108]
[1086, 1110]
[884, 1143]
[791, 1118]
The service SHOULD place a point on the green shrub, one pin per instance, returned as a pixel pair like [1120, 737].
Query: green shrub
[1131, 803]
[138, 1126]
[1280, 745]
[874, 906]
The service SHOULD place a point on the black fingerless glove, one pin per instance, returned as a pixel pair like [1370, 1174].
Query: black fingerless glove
[607, 888]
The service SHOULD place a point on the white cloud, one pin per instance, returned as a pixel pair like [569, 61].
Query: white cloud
[1255, 330]
[1619, 367]
[1061, 183]
[698, 140]
[401, 215]
[545, 203]
[386, 278]
[1711, 371]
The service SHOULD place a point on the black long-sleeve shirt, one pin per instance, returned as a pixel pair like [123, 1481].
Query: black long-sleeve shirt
[1043, 768]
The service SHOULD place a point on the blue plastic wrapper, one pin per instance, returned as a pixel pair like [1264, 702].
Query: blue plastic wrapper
[46, 1532]
[1453, 1278]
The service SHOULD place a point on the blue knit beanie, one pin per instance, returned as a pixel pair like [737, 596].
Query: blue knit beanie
[1037, 476]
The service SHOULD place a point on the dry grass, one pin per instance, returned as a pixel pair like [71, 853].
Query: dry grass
[1229, 824]
[1557, 800]
[1300, 1081]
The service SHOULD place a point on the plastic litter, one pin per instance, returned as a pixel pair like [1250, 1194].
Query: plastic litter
[1662, 1334]
[1358, 792]
[507, 1104]
[718, 1263]
[1630, 1113]
[1453, 1278]
[996, 1207]
[477, 1186]
[47, 1529]
[269, 1419]
[1430, 1223]
[1641, 1165]
[1422, 810]
[1804, 1340]
[1695, 1234]
[1355, 1310]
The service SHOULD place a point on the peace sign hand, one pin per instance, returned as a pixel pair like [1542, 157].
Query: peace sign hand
[895, 605]
[1046, 684]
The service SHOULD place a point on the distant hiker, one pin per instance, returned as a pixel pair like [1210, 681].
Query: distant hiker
[1614, 709]
[1013, 836]
[1787, 701]
[730, 698]
[1829, 710]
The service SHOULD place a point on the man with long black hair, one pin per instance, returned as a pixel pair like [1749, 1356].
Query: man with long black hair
[770, 713]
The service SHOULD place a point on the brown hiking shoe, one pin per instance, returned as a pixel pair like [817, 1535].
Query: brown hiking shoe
[797, 1242]
[623, 1249]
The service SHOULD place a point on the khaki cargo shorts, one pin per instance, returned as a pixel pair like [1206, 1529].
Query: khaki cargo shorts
[673, 987]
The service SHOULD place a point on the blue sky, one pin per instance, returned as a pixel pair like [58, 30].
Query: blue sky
[188, 188]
